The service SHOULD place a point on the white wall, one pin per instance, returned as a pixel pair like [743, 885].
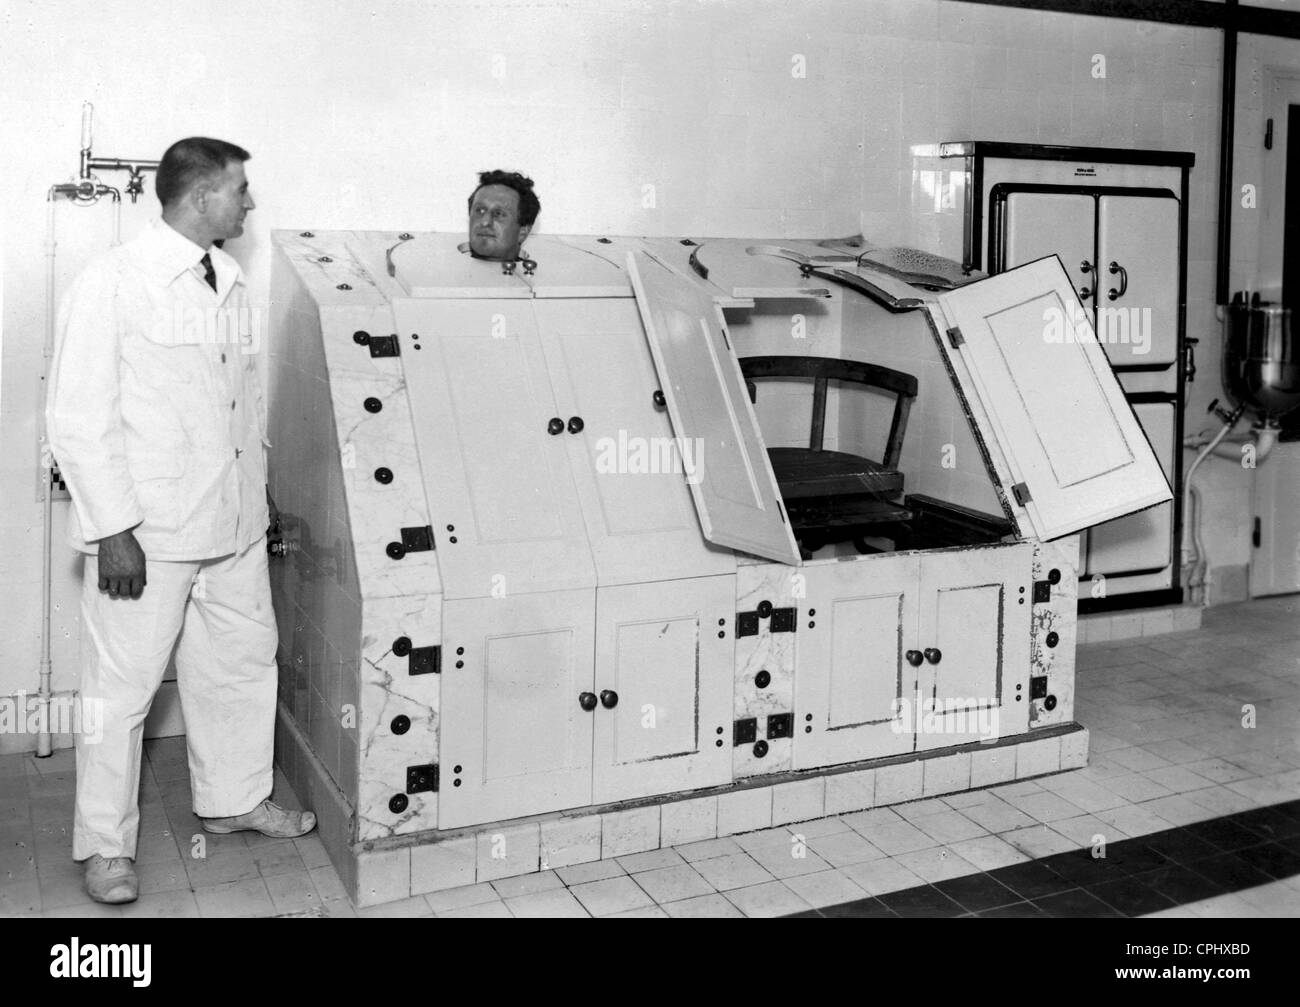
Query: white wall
[378, 114]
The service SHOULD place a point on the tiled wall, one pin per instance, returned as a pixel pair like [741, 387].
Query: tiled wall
[729, 117]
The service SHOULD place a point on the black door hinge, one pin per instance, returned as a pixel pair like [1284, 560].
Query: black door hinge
[384, 346]
[1021, 492]
[782, 620]
[1256, 536]
[745, 731]
[955, 338]
[422, 779]
[780, 725]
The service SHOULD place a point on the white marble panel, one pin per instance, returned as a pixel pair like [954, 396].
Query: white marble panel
[388, 690]
[773, 653]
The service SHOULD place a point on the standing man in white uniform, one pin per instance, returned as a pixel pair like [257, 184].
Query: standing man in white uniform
[156, 419]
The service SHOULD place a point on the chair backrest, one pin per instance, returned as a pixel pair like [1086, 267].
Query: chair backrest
[825, 369]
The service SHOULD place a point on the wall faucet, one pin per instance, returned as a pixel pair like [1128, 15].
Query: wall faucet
[89, 164]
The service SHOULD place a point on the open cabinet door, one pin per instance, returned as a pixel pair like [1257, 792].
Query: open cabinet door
[1024, 347]
[731, 478]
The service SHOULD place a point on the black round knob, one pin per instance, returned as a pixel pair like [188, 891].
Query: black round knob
[602, 241]
[402, 646]
[397, 804]
[395, 550]
[660, 401]
[1049, 703]
[760, 749]
[1053, 576]
[373, 405]
[933, 655]
[383, 475]
[1053, 639]
[401, 724]
[361, 338]
[608, 699]
[342, 286]
[914, 658]
[587, 700]
[764, 609]
[575, 424]
[762, 679]
[555, 426]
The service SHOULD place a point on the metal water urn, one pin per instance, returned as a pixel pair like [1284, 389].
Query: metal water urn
[1261, 357]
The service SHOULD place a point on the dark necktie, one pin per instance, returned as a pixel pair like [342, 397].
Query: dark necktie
[209, 273]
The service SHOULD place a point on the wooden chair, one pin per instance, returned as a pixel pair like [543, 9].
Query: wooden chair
[834, 496]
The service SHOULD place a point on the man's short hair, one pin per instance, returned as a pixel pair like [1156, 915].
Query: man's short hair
[529, 205]
[192, 160]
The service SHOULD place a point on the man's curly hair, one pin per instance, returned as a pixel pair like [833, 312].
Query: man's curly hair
[529, 205]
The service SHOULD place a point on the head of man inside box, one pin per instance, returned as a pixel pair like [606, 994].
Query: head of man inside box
[502, 210]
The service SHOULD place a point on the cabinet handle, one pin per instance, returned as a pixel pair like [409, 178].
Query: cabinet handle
[914, 658]
[1114, 294]
[575, 424]
[609, 699]
[587, 700]
[933, 655]
[555, 426]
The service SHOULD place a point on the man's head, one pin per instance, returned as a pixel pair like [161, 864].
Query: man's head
[203, 189]
[501, 213]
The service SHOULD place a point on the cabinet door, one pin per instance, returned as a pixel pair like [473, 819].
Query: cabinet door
[736, 495]
[973, 630]
[1021, 345]
[1142, 541]
[481, 398]
[514, 737]
[668, 673]
[1137, 262]
[629, 470]
[1039, 224]
[851, 673]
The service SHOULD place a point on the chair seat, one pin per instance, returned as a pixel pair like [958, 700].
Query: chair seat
[803, 474]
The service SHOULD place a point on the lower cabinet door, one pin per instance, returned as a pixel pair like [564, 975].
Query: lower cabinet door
[664, 657]
[973, 634]
[514, 736]
[852, 672]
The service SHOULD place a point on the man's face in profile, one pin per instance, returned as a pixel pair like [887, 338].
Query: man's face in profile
[494, 229]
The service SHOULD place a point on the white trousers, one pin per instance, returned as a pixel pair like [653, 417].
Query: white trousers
[225, 670]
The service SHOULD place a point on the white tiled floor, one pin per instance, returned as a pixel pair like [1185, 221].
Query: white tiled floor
[1168, 748]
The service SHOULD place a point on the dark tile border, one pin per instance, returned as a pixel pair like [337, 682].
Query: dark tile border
[1137, 876]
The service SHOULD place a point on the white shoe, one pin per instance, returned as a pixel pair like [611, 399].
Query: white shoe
[268, 818]
[111, 879]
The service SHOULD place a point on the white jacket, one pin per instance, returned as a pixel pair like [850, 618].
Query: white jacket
[154, 411]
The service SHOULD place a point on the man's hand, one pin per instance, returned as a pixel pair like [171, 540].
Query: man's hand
[121, 565]
[273, 533]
